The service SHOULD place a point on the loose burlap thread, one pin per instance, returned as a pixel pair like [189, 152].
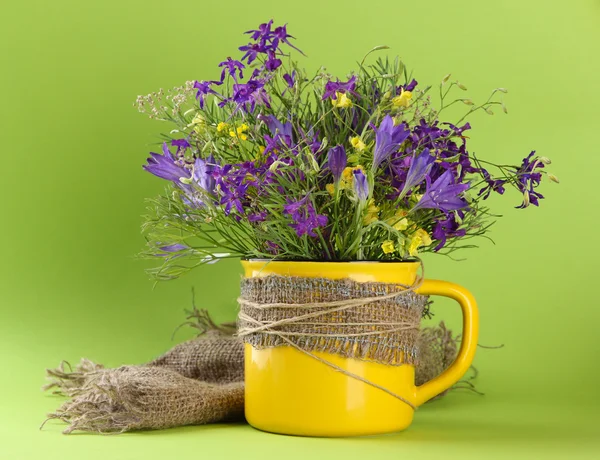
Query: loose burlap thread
[198, 381]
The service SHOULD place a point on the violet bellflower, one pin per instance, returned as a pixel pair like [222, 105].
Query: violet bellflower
[334, 87]
[304, 216]
[203, 173]
[337, 160]
[361, 185]
[285, 130]
[165, 166]
[443, 194]
[418, 170]
[387, 139]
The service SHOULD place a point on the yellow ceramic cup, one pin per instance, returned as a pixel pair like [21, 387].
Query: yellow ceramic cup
[290, 392]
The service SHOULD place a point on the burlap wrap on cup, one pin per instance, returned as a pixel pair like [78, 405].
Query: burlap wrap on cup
[343, 317]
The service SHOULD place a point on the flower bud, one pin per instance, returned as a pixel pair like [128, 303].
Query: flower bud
[488, 111]
[461, 86]
[545, 160]
[502, 90]
[275, 165]
[553, 178]
[445, 79]
[467, 101]
[526, 199]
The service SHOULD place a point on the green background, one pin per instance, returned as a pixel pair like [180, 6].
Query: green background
[73, 191]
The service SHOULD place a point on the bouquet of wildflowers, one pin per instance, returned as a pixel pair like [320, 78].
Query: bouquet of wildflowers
[268, 161]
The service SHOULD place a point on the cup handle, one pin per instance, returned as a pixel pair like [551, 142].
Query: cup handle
[469, 338]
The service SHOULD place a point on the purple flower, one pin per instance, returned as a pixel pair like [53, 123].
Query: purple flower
[279, 130]
[252, 50]
[304, 216]
[203, 173]
[496, 185]
[165, 167]
[267, 41]
[257, 216]
[263, 32]
[443, 194]
[280, 35]
[333, 87]
[418, 170]
[387, 139]
[233, 199]
[337, 160]
[361, 185]
[204, 88]
[447, 228]
[181, 144]
[411, 86]
[290, 79]
[252, 92]
[528, 179]
[273, 62]
[233, 67]
[169, 250]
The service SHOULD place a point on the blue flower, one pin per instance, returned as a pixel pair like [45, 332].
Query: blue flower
[443, 194]
[361, 185]
[418, 170]
[387, 139]
[165, 166]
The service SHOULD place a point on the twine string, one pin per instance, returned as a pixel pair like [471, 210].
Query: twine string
[250, 325]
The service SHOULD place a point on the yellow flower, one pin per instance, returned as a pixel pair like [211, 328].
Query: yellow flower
[239, 132]
[372, 214]
[341, 101]
[330, 189]
[401, 224]
[357, 143]
[388, 247]
[222, 126]
[420, 238]
[398, 220]
[425, 238]
[403, 100]
[261, 149]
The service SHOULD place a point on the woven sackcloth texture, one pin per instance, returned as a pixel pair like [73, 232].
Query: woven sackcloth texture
[343, 317]
[198, 381]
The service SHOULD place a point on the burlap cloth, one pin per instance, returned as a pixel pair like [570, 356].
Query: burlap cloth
[196, 382]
